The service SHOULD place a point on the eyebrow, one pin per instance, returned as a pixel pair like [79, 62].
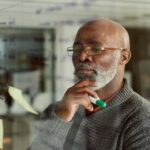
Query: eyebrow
[94, 42]
[77, 43]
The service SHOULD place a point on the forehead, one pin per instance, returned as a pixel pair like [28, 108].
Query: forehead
[93, 34]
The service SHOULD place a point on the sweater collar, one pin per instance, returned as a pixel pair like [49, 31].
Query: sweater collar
[122, 96]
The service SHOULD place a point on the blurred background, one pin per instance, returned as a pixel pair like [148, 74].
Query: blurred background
[34, 36]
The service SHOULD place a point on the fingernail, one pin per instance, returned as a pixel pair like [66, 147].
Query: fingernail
[90, 108]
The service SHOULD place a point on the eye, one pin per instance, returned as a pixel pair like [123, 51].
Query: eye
[77, 48]
[96, 48]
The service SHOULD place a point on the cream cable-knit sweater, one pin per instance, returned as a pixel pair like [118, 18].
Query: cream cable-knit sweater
[123, 125]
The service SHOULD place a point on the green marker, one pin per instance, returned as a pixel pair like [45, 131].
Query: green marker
[98, 102]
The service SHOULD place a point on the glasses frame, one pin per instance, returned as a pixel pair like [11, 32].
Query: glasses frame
[70, 49]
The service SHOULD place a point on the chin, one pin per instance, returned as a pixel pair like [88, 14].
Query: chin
[81, 77]
[98, 86]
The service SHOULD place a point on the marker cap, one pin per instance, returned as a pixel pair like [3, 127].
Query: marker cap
[101, 103]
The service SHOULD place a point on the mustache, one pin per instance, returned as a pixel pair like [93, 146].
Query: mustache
[88, 66]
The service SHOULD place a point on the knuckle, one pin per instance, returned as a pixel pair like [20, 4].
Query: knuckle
[86, 89]
[69, 90]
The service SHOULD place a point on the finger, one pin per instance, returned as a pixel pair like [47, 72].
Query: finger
[85, 90]
[82, 99]
[85, 83]
[86, 103]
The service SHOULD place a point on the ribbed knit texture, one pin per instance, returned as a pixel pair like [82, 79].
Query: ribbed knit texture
[123, 125]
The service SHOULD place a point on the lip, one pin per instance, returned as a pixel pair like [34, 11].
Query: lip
[85, 71]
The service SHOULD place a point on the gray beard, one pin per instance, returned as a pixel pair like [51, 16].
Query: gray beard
[104, 77]
[101, 76]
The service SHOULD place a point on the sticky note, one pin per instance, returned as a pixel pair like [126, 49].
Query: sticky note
[1, 134]
[16, 94]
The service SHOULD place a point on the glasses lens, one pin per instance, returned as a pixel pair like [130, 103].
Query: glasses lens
[91, 50]
[96, 49]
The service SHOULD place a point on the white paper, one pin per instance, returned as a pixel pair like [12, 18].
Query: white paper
[18, 97]
[1, 134]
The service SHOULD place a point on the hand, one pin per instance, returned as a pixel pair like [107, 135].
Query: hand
[75, 96]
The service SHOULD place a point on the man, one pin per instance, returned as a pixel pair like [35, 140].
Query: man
[100, 53]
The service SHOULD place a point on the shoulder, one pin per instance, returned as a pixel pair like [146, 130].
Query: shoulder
[139, 103]
[137, 123]
[138, 108]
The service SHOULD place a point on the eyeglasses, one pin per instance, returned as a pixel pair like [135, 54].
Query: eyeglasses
[91, 50]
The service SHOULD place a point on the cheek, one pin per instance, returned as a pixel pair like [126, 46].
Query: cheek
[74, 60]
[104, 61]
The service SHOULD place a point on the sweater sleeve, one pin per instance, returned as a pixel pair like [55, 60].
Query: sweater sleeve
[137, 135]
[51, 132]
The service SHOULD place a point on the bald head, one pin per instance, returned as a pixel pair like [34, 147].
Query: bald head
[115, 34]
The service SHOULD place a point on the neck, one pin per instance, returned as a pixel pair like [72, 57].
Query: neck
[110, 90]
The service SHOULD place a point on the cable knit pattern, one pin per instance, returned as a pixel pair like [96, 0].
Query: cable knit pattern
[123, 125]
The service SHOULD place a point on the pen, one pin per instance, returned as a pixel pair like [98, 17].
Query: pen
[98, 101]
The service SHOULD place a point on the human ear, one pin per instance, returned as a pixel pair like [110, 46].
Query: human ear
[125, 56]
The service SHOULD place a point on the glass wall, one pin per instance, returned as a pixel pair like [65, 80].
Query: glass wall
[34, 36]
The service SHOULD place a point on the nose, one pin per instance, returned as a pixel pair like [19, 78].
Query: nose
[84, 56]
